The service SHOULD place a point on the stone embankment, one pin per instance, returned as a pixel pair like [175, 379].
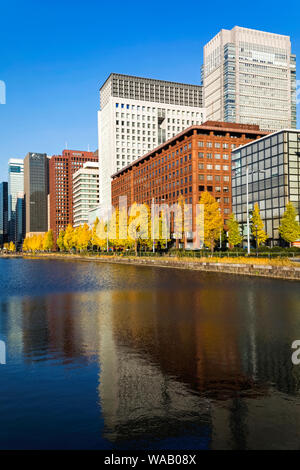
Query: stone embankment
[291, 272]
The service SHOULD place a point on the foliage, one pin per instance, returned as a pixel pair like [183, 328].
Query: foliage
[234, 234]
[48, 241]
[9, 247]
[60, 240]
[69, 238]
[289, 228]
[257, 226]
[213, 222]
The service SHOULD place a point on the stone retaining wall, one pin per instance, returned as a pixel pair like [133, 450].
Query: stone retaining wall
[279, 272]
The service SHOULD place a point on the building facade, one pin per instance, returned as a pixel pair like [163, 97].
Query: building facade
[20, 220]
[15, 185]
[85, 192]
[3, 213]
[36, 189]
[249, 77]
[137, 115]
[196, 160]
[61, 170]
[274, 179]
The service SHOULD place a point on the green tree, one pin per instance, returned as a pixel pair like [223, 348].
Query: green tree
[213, 222]
[234, 233]
[257, 226]
[289, 228]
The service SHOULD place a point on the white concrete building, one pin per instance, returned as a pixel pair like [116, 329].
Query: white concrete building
[249, 77]
[85, 192]
[137, 115]
[15, 186]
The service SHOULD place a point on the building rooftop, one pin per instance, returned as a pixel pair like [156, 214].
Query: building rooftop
[135, 78]
[222, 127]
[267, 135]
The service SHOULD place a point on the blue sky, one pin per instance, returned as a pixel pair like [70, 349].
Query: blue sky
[55, 55]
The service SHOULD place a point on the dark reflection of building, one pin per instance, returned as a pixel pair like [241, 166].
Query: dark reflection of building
[221, 353]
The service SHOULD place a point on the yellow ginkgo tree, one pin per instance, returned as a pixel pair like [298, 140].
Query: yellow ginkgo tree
[257, 226]
[213, 221]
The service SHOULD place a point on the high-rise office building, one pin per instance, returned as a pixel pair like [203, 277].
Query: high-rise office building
[137, 115]
[20, 219]
[61, 170]
[3, 213]
[249, 77]
[85, 192]
[274, 178]
[15, 185]
[36, 189]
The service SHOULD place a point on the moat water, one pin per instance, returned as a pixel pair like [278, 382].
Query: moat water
[105, 356]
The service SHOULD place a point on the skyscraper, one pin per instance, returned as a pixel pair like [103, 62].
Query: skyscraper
[249, 77]
[61, 169]
[85, 192]
[36, 189]
[20, 220]
[3, 213]
[138, 114]
[15, 185]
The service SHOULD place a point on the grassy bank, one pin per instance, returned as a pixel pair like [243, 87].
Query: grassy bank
[262, 267]
[181, 259]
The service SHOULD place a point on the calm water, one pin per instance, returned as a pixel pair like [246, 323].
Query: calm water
[121, 357]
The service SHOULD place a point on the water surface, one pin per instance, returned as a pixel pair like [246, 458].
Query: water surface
[105, 356]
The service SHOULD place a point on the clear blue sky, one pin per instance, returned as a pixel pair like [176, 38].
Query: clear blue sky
[55, 55]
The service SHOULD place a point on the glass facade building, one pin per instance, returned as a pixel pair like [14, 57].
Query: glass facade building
[3, 213]
[274, 178]
[36, 189]
[20, 220]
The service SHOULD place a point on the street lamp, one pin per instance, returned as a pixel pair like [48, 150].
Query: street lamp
[256, 240]
[247, 192]
[166, 223]
[152, 215]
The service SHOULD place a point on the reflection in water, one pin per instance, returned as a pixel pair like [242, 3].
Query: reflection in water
[150, 358]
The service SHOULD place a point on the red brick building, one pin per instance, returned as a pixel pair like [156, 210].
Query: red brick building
[61, 169]
[196, 160]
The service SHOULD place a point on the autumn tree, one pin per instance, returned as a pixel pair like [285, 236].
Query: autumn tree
[289, 227]
[48, 241]
[12, 247]
[69, 238]
[234, 233]
[60, 240]
[213, 222]
[101, 233]
[84, 236]
[139, 225]
[257, 226]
